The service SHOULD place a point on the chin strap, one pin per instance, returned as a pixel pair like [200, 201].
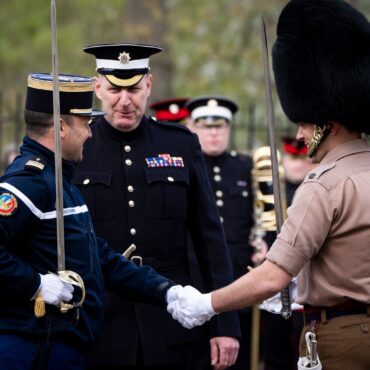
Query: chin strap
[319, 134]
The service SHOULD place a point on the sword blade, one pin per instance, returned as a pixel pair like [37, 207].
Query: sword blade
[286, 310]
[58, 151]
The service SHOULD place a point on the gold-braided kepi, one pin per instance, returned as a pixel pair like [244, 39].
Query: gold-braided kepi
[75, 94]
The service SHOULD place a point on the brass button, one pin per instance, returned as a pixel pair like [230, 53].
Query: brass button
[220, 202]
[128, 162]
[133, 231]
[170, 179]
[130, 188]
[217, 178]
[219, 194]
[127, 148]
[131, 203]
[86, 181]
[216, 169]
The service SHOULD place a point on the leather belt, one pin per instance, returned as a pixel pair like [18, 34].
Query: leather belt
[324, 313]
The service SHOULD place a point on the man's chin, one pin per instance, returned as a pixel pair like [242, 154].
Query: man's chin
[125, 126]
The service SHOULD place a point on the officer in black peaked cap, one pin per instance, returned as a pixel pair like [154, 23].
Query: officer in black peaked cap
[147, 187]
[229, 172]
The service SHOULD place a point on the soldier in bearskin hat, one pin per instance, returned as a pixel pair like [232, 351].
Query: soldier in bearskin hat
[321, 61]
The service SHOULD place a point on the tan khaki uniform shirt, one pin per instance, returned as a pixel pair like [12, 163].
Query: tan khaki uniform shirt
[326, 237]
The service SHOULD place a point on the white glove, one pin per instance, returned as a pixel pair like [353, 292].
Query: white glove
[172, 293]
[54, 290]
[192, 308]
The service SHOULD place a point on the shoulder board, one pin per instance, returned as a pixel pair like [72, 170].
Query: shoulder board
[35, 164]
[317, 172]
[169, 124]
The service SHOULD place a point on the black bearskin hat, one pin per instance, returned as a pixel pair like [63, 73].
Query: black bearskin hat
[321, 63]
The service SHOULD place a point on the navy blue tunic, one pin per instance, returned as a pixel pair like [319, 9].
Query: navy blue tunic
[28, 247]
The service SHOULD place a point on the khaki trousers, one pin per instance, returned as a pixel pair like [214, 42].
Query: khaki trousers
[343, 343]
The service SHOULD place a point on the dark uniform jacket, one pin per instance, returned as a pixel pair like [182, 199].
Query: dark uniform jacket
[28, 247]
[230, 175]
[149, 187]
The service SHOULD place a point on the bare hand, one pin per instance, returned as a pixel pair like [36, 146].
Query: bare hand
[224, 352]
[261, 249]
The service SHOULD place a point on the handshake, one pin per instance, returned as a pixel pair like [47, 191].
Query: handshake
[189, 306]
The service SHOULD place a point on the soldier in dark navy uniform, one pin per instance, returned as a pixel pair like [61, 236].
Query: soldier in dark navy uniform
[230, 176]
[146, 185]
[29, 258]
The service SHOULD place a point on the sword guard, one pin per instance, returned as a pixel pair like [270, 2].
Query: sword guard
[73, 278]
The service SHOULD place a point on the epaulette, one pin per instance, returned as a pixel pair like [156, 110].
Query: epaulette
[174, 125]
[35, 164]
[317, 172]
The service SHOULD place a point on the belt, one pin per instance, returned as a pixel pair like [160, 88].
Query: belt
[324, 313]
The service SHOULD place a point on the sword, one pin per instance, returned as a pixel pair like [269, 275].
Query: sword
[65, 275]
[286, 310]
[57, 141]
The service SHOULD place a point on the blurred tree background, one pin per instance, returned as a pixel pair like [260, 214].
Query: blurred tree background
[209, 47]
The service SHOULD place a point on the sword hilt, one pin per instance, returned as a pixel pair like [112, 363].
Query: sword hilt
[73, 278]
[69, 277]
[286, 309]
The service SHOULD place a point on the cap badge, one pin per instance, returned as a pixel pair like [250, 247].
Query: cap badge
[174, 108]
[212, 103]
[124, 57]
